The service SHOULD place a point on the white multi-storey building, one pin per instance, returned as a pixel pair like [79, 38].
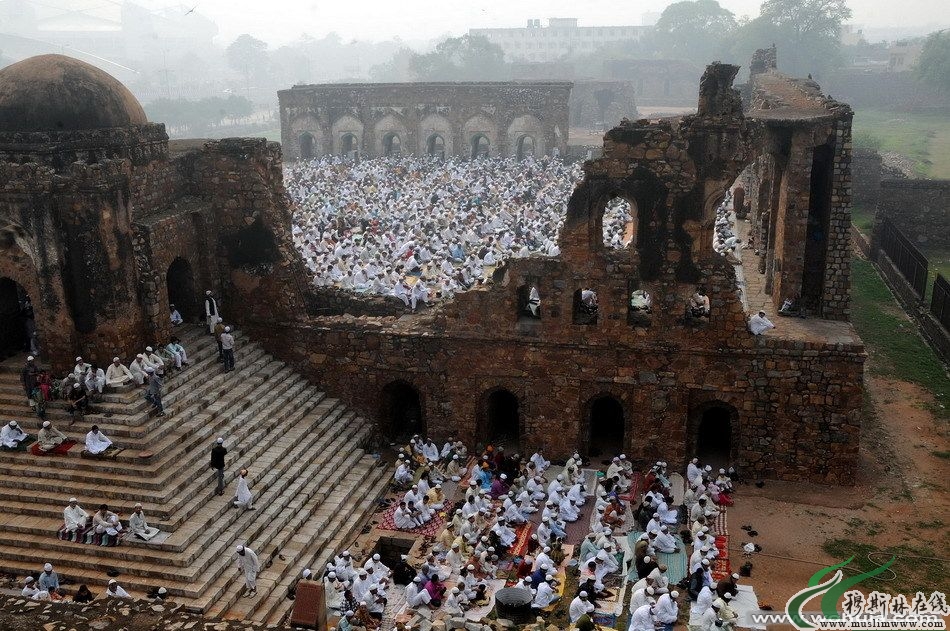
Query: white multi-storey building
[560, 37]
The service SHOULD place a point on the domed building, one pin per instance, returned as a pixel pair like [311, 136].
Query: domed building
[103, 222]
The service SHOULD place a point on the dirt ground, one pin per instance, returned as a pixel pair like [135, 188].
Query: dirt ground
[901, 498]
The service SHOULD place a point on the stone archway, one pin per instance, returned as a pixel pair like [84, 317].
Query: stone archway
[714, 430]
[349, 145]
[180, 281]
[501, 418]
[392, 144]
[526, 147]
[17, 320]
[435, 146]
[481, 146]
[306, 146]
[400, 411]
[606, 426]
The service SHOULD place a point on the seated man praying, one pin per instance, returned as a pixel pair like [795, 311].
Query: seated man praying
[12, 435]
[96, 441]
[49, 437]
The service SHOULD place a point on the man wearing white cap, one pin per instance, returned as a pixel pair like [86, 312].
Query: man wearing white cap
[138, 525]
[580, 606]
[242, 494]
[380, 569]
[453, 603]
[12, 435]
[416, 596]
[74, 517]
[49, 582]
[544, 594]
[211, 311]
[248, 563]
[218, 452]
[665, 542]
[152, 357]
[79, 370]
[642, 618]
[115, 590]
[117, 374]
[667, 610]
[227, 349]
[31, 591]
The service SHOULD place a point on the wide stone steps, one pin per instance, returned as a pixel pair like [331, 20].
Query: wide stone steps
[324, 534]
[311, 480]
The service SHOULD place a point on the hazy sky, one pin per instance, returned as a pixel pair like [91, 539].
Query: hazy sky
[280, 21]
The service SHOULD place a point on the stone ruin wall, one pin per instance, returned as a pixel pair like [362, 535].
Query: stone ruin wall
[919, 208]
[503, 112]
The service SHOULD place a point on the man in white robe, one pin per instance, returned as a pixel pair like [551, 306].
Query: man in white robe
[138, 525]
[106, 522]
[49, 437]
[79, 370]
[579, 606]
[667, 610]
[137, 369]
[759, 324]
[416, 595]
[74, 517]
[153, 358]
[95, 379]
[96, 441]
[642, 619]
[249, 564]
[212, 316]
[12, 435]
[242, 493]
[117, 374]
[115, 590]
[544, 595]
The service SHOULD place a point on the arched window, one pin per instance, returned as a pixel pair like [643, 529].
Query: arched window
[502, 422]
[529, 302]
[306, 146]
[606, 422]
[400, 411]
[585, 306]
[525, 147]
[480, 146]
[392, 145]
[435, 146]
[349, 145]
[639, 306]
[619, 224]
[17, 320]
[180, 281]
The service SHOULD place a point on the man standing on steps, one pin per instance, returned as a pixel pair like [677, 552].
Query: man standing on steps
[212, 316]
[227, 349]
[218, 452]
[249, 564]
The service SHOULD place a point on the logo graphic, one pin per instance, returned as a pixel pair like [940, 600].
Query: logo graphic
[831, 591]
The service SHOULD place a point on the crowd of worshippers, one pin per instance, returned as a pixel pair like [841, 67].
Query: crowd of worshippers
[49, 586]
[420, 229]
[726, 241]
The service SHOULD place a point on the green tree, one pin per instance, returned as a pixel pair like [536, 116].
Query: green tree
[248, 56]
[695, 31]
[466, 58]
[806, 33]
[934, 64]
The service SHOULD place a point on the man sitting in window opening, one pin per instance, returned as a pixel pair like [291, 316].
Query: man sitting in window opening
[589, 300]
[640, 300]
[698, 306]
[534, 302]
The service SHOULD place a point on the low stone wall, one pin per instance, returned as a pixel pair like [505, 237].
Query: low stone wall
[919, 208]
[865, 177]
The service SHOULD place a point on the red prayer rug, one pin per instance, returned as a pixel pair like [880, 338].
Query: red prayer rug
[58, 450]
[430, 529]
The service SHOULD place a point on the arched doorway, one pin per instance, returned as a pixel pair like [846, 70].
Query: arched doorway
[348, 145]
[714, 435]
[525, 147]
[392, 145]
[306, 146]
[435, 146]
[17, 322]
[619, 224]
[480, 146]
[502, 419]
[400, 411]
[606, 424]
[180, 281]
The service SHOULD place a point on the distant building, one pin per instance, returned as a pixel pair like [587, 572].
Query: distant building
[562, 36]
[904, 55]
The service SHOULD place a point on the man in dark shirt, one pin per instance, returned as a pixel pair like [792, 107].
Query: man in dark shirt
[217, 463]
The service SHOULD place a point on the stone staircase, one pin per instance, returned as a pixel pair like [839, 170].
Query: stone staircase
[313, 484]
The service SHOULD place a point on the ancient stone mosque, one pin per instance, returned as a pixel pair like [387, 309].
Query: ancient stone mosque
[104, 222]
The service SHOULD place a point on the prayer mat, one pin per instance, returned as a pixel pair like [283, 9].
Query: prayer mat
[522, 536]
[108, 454]
[608, 620]
[58, 450]
[88, 536]
[721, 522]
[23, 445]
[430, 529]
[636, 488]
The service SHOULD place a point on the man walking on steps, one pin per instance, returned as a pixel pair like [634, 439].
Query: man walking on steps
[227, 349]
[249, 564]
[218, 452]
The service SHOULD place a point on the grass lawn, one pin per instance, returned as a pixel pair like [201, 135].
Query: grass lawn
[923, 138]
[916, 567]
[863, 219]
[894, 347]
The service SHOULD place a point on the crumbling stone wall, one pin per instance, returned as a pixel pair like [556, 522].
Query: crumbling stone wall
[866, 169]
[919, 208]
[503, 112]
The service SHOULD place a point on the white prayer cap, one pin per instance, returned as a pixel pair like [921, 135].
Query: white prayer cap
[140, 356]
[72, 499]
[560, 477]
[455, 590]
[722, 471]
[29, 579]
[149, 369]
[727, 596]
[695, 460]
[48, 567]
[647, 559]
[735, 576]
[149, 349]
[330, 575]
[417, 579]
[623, 456]
[12, 423]
[162, 591]
[29, 359]
[227, 329]
[602, 555]
[616, 459]
[705, 561]
[404, 557]
[349, 612]
[240, 548]
[346, 553]
[455, 457]
[376, 557]
[651, 591]
[547, 548]
[705, 549]
[550, 577]
[438, 486]
[112, 581]
[220, 440]
[583, 594]
[504, 477]
[664, 529]
[470, 567]
[207, 292]
[115, 359]
[138, 506]
[79, 359]
[362, 572]
[708, 468]
[455, 545]
[674, 595]
[703, 497]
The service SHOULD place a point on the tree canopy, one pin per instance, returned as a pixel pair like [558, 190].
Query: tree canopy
[247, 55]
[466, 58]
[697, 31]
[934, 64]
[199, 115]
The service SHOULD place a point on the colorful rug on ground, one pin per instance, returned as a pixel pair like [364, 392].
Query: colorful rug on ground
[522, 536]
[58, 450]
[88, 536]
[722, 568]
[430, 529]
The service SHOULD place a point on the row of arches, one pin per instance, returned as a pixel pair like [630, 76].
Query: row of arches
[434, 146]
[499, 422]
